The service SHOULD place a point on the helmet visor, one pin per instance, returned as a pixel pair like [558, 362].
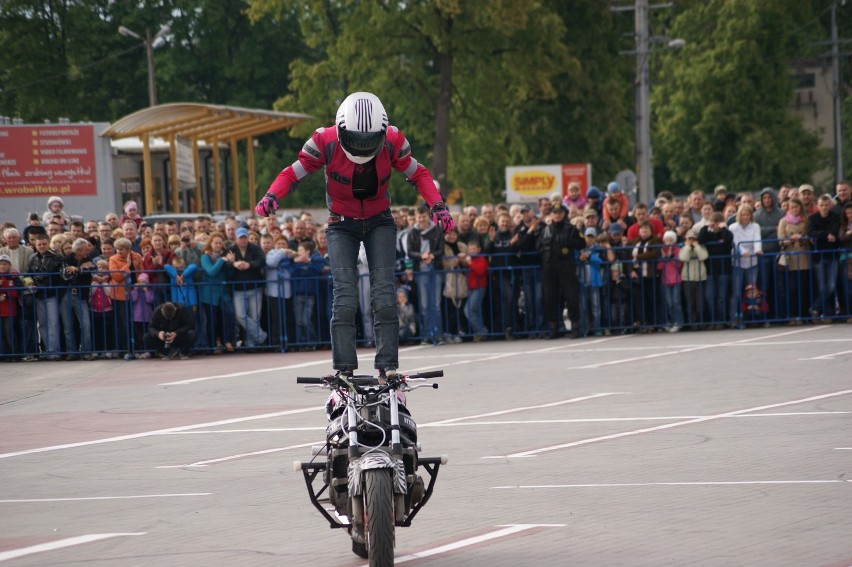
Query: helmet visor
[361, 144]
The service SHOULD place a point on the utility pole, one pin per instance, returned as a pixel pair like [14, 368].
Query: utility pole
[644, 167]
[835, 80]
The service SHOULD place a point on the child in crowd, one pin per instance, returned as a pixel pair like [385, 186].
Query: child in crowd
[306, 268]
[574, 198]
[694, 275]
[406, 316]
[591, 284]
[619, 257]
[101, 308]
[181, 278]
[9, 281]
[477, 283]
[670, 277]
[754, 305]
[142, 296]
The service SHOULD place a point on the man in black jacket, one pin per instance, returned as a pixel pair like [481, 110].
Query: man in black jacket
[248, 278]
[426, 250]
[171, 332]
[44, 267]
[558, 243]
[824, 231]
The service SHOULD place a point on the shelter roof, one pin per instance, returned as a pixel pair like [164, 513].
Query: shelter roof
[202, 121]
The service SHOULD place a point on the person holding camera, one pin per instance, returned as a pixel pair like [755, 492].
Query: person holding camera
[171, 332]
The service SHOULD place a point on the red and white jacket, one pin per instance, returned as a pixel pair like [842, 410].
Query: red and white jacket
[323, 150]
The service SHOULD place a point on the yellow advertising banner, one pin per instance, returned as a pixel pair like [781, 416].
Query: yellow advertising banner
[529, 183]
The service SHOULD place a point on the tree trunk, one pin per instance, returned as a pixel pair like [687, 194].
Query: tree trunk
[442, 121]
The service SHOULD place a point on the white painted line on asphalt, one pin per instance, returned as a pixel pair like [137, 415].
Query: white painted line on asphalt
[505, 531]
[693, 349]
[515, 422]
[158, 432]
[713, 483]
[59, 544]
[82, 499]
[512, 410]
[478, 358]
[274, 369]
[828, 356]
[843, 448]
[241, 455]
[535, 452]
[258, 430]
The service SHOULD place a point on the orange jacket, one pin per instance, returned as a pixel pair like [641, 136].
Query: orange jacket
[119, 268]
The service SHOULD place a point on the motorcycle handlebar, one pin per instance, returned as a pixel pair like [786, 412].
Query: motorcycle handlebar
[429, 374]
[308, 380]
[365, 380]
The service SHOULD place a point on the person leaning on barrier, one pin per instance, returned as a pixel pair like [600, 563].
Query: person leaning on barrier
[171, 332]
[559, 240]
[77, 271]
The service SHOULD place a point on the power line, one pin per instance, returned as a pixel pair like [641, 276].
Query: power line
[64, 73]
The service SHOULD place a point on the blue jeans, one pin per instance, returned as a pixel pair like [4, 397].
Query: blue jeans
[73, 306]
[740, 278]
[716, 297]
[533, 303]
[826, 279]
[378, 233]
[674, 313]
[473, 311]
[591, 307]
[247, 310]
[304, 307]
[47, 312]
[430, 285]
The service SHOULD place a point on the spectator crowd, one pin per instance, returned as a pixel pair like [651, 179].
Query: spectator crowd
[578, 265]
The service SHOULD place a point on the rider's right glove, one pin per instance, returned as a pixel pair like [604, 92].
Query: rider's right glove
[267, 206]
[441, 217]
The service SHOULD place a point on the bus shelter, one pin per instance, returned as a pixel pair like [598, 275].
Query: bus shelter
[183, 126]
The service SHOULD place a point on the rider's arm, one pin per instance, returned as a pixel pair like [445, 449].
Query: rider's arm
[311, 158]
[417, 175]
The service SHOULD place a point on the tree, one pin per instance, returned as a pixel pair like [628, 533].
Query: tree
[721, 110]
[455, 76]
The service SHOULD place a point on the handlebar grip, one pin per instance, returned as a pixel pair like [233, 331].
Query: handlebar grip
[308, 380]
[431, 374]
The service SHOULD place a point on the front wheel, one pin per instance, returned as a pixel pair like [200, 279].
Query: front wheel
[379, 520]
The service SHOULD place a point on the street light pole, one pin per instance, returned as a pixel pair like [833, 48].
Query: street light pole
[643, 105]
[152, 85]
[150, 43]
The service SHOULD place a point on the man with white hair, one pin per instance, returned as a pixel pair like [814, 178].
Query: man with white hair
[19, 255]
[77, 271]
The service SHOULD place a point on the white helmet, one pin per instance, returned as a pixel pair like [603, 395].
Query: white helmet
[361, 126]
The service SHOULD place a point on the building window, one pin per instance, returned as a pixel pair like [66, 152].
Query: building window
[804, 80]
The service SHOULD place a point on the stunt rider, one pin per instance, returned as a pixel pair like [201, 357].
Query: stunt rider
[358, 153]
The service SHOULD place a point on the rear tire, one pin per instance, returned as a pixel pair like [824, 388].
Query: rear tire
[379, 521]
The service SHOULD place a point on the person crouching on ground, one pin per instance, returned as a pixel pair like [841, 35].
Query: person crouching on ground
[171, 332]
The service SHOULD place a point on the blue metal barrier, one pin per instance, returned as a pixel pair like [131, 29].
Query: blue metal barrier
[783, 287]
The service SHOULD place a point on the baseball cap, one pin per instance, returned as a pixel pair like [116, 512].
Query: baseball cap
[806, 187]
[720, 189]
[590, 213]
[5, 258]
[615, 228]
[591, 231]
[560, 209]
[242, 231]
[692, 233]
[525, 208]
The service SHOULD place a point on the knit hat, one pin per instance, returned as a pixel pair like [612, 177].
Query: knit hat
[670, 235]
[55, 199]
[130, 205]
[613, 187]
[143, 278]
[593, 193]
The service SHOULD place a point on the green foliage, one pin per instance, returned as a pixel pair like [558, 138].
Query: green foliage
[722, 102]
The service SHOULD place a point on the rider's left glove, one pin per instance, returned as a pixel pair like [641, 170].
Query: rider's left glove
[267, 206]
[441, 217]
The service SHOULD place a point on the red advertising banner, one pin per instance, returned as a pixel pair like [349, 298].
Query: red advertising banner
[47, 160]
[579, 172]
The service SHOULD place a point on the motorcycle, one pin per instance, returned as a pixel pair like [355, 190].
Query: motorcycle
[365, 477]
